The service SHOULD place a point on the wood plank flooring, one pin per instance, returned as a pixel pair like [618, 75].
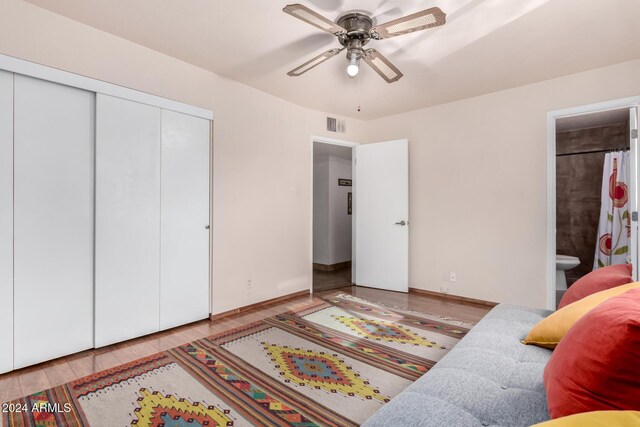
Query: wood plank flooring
[56, 372]
[326, 280]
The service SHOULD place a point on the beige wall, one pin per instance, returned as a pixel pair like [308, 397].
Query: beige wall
[262, 148]
[478, 179]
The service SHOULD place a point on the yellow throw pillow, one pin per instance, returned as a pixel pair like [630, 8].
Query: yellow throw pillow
[549, 331]
[596, 419]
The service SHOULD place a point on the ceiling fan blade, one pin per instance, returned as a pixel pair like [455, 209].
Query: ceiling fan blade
[314, 62]
[382, 66]
[428, 18]
[310, 17]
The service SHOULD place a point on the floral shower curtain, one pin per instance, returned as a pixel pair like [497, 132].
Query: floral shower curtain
[614, 229]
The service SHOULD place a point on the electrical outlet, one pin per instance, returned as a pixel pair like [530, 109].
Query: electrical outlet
[452, 277]
[444, 290]
[249, 283]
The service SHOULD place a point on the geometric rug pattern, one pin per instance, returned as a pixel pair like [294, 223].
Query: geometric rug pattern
[158, 410]
[381, 330]
[320, 371]
[332, 362]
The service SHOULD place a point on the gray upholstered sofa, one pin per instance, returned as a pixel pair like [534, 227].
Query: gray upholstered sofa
[488, 379]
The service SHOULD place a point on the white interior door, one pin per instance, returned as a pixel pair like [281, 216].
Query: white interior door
[53, 220]
[633, 125]
[381, 209]
[184, 213]
[127, 220]
[6, 221]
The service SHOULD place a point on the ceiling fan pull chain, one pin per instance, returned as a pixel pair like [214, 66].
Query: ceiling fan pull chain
[358, 89]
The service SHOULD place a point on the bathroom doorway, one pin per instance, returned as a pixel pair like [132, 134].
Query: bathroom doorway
[584, 145]
[592, 187]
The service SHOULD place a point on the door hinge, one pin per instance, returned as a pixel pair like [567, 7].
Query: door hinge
[634, 216]
[634, 133]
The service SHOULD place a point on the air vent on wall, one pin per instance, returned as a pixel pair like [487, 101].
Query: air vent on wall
[335, 125]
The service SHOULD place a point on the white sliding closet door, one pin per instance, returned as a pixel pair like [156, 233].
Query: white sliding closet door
[127, 220]
[6, 221]
[53, 220]
[184, 266]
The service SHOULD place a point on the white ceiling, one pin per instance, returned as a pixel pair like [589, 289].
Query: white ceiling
[486, 45]
[592, 120]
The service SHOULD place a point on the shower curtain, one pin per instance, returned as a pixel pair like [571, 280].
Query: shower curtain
[614, 229]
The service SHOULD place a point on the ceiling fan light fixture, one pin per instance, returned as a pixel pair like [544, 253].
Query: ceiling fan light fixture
[355, 29]
[354, 67]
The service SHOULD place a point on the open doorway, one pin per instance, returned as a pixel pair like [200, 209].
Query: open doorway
[592, 191]
[593, 229]
[332, 215]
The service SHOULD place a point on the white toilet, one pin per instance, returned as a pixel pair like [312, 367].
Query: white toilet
[564, 262]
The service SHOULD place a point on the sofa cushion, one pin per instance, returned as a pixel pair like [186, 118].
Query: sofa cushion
[596, 281]
[596, 419]
[595, 367]
[488, 379]
[549, 331]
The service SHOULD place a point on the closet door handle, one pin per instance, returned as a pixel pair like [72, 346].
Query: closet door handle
[402, 223]
[207, 226]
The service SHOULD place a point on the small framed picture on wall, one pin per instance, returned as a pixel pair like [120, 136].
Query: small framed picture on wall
[349, 203]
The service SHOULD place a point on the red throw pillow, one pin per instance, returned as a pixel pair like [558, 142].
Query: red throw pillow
[596, 281]
[595, 367]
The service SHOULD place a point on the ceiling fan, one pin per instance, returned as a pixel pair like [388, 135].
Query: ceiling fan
[354, 30]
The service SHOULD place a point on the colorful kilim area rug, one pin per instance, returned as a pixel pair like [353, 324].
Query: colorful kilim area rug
[332, 362]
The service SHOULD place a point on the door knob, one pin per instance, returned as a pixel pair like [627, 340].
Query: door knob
[402, 223]
[206, 226]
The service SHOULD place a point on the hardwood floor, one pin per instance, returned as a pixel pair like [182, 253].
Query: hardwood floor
[50, 374]
[459, 310]
[326, 280]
